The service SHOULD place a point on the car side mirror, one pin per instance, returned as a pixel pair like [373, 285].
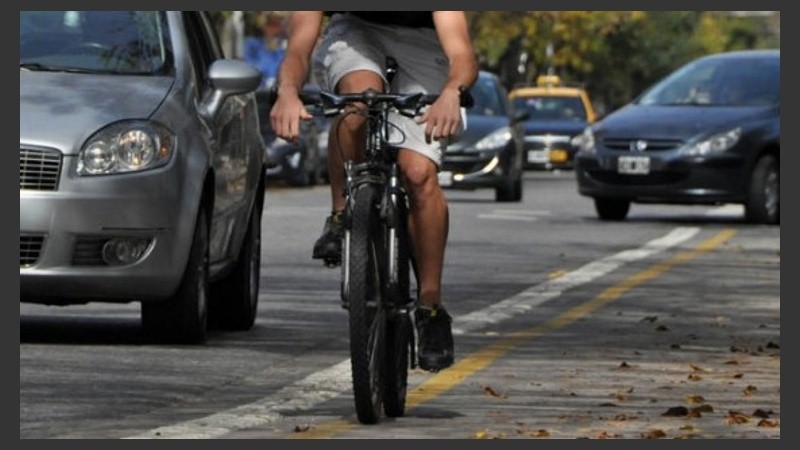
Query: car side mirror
[229, 77]
[520, 116]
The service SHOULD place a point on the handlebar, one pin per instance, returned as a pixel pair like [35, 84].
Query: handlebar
[331, 104]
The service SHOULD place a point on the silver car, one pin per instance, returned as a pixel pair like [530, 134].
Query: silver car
[141, 169]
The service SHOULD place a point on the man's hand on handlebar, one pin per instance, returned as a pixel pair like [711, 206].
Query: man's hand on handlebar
[287, 111]
[443, 118]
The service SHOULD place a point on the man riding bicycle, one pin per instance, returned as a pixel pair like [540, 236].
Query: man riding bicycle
[434, 55]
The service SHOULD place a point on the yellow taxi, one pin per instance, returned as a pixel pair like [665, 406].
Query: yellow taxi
[557, 113]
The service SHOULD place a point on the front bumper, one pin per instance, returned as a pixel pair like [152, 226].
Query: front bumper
[472, 171]
[672, 178]
[549, 152]
[73, 222]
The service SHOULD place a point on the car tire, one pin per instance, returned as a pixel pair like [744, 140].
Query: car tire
[510, 191]
[763, 199]
[183, 318]
[612, 208]
[234, 299]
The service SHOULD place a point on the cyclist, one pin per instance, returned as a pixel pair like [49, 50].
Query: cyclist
[434, 55]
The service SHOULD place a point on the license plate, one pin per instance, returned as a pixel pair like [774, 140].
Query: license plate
[633, 165]
[445, 178]
[558, 156]
[537, 156]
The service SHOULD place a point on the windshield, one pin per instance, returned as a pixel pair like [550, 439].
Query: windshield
[720, 82]
[488, 100]
[125, 42]
[551, 107]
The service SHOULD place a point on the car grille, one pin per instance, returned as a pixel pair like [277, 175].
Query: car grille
[39, 170]
[30, 247]
[653, 145]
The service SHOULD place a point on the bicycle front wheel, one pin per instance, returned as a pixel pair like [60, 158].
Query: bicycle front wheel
[398, 327]
[367, 315]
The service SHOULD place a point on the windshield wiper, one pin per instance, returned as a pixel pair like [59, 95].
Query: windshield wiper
[45, 68]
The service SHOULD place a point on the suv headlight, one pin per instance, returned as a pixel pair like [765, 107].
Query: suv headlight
[584, 142]
[716, 143]
[496, 139]
[123, 147]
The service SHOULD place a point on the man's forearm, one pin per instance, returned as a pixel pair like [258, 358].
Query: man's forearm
[463, 71]
[293, 73]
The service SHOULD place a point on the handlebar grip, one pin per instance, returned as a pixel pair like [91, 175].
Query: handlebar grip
[467, 101]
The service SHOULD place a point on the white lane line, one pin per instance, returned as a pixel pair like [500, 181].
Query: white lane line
[329, 383]
[547, 290]
[731, 210]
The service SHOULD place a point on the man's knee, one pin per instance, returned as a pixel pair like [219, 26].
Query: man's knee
[421, 178]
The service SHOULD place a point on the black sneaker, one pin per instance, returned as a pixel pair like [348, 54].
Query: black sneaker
[435, 338]
[329, 245]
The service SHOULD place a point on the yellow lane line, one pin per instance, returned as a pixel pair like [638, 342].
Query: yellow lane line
[448, 379]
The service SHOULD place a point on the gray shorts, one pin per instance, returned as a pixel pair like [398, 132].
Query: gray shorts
[351, 44]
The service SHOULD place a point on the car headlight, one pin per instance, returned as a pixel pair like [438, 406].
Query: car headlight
[124, 147]
[496, 139]
[584, 142]
[716, 143]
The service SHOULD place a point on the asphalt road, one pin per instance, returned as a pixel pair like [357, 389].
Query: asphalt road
[665, 325]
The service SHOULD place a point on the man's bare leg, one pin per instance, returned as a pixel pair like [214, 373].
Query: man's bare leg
[428, 223]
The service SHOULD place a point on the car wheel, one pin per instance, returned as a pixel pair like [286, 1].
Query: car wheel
[510, 191]
[611, 208]
[234, 299]
[184, 317]
[763, 200]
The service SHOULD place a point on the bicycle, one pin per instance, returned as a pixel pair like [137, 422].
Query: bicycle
[377, 260]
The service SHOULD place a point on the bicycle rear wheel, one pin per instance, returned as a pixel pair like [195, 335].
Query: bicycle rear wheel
[398, 327]
[367, 314]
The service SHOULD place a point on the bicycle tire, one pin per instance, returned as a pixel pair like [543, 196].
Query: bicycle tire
[398, 327]
[366, 312]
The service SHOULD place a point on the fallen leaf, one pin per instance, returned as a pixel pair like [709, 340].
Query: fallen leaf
[774, 344]
[606, 435]
[541, 433]
[692, 399]
[556, 274]
[483, 434]
[492, 391]
[675, 346]
[738, 375]
[749, 390]
[607, 404]
[302, 428]
[703, 408]
[662, 328]
[676, 411]
[624, 365]
[694, 377]
[624, 417]
[732, 362]
[620, 396]
[654, 434]
[739, 348]
[696, 368]
[650, 319]
[689, 428]
[768, 423]
[763, 414]
[736, 418]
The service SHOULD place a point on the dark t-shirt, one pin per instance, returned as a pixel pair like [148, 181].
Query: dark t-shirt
[412, 19]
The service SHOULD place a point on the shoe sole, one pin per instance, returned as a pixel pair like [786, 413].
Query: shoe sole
[434, 364]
